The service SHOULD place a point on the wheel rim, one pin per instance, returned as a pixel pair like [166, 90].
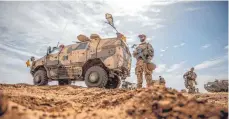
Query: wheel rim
[94, 77]
[38, 79]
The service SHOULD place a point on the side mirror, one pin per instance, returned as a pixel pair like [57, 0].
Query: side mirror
[49, 50]
[109, 19]
[32, 58]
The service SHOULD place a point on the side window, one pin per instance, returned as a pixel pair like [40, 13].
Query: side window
[81, 46]
[54, 50]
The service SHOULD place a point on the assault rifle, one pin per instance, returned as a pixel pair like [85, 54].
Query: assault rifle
[141, 55]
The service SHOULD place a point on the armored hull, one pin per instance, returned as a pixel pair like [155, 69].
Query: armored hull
[217, 86]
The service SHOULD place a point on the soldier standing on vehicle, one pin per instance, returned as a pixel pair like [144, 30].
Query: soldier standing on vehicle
[190, 79]
[141, 66]
[161, 81]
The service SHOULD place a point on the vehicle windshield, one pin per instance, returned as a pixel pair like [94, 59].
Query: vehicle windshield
[53, 50]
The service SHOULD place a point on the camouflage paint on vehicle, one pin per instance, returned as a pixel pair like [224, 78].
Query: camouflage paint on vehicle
[70, 61]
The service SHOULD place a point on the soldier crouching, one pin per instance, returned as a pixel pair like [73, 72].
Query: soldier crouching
[145, 54]
[161, 81]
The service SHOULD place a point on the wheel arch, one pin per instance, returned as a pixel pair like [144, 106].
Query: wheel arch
[40, 67]
[93, 62]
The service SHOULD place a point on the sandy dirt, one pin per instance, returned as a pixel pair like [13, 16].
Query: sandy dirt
[73, 102]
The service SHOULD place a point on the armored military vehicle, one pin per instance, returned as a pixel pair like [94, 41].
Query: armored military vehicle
[100, 62]
[217, 86]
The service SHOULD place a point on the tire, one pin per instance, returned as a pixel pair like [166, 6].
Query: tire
[101, 77]
[113, 83]
[64, 82]
[40, 78]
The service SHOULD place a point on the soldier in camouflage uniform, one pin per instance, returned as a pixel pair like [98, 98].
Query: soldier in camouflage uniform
[141, 66]
[161, 81]
[190, 79]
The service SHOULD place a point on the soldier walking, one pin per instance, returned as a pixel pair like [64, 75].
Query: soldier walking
[190, 79]
[141, 65]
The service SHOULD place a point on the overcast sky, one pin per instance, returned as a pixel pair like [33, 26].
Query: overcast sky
[183, 34]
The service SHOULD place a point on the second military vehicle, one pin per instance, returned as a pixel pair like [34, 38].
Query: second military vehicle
[100, 62]
[217, 86]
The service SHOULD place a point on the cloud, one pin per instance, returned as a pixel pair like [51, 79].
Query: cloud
[226, 47]
[146, 21]
[206, 46]
[160, 68]
[175, 46]
[117, 22]
[220, 68]
[210, 63]
[9, 49]
[180, 45]
[163, 3]
[161, 55]
[174, 67]
[192, 9]
[164, 49]
[155, 10]
[158, 26]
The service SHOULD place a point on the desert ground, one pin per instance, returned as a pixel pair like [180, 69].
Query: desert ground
[74, 102]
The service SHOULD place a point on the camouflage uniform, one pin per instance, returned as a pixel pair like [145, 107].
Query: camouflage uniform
[162, 81]
[141, 66]
[124, 85]
[190, 79]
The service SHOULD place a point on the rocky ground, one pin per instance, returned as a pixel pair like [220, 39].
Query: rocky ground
[72, 102]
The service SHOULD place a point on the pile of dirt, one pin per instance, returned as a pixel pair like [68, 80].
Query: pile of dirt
[168, 103]
[77, 102]
[219, 99]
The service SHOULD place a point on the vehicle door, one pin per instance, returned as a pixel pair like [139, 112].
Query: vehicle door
[52, 62]
[52, 58]
[79, 54]
[78, 57]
